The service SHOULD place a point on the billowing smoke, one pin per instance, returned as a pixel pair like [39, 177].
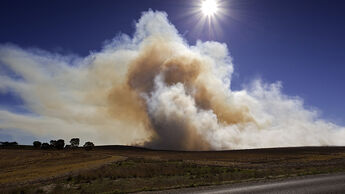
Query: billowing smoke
[155, 90]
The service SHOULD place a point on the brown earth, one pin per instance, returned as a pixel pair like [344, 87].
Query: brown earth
[130, 169]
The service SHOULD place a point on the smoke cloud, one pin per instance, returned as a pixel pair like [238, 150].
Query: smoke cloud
[154, 89]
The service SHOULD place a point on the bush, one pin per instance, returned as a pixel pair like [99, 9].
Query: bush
[6, 143]
[53, 143]
[60, 144]
[57, 144]
[45, 146]
[37, 144]
[88, 145]
[74, 142]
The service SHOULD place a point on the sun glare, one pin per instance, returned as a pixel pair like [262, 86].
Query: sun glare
[207, 16]
[209, 7]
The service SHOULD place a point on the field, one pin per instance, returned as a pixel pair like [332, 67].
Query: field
[119, 169]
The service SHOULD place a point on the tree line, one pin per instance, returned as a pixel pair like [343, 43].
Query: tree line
[54, 144]
[6, 143]
[60, 144]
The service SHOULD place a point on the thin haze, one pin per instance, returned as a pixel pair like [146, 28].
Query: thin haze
[154, 89]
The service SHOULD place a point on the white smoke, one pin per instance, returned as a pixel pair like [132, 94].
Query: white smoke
[154, 89]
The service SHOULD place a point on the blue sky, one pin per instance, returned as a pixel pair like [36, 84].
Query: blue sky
[298, 42]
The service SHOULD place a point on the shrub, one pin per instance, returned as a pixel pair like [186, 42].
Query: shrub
[45, 146]
[60, 144]
[75, 142]
[6, 143]
[53, 143]
[88, 145]
[37, 144]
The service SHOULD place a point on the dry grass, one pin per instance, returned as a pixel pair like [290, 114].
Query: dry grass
[131, 169]
[21, 166]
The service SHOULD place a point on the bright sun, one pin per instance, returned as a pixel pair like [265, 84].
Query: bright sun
[209, 7]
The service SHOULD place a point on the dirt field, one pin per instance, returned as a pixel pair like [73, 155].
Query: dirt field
[128, 169]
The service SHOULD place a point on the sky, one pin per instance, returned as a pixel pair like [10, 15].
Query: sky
[300, 43]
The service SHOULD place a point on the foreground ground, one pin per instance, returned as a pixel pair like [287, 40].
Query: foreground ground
[329, 183]
[128, 169]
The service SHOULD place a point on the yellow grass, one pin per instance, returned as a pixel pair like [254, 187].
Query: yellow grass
[19, 166]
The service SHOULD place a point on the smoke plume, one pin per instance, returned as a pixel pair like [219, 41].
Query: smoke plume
[154, 89]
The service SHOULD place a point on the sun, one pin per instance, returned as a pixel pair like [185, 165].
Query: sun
[209, 7]
[207, 15]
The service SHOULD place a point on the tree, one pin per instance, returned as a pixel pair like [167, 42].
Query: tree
[60, 144]
[74, 142]
[88, 145]
[6, 143]
[37, 144]
[53, 143]
[45, 146]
